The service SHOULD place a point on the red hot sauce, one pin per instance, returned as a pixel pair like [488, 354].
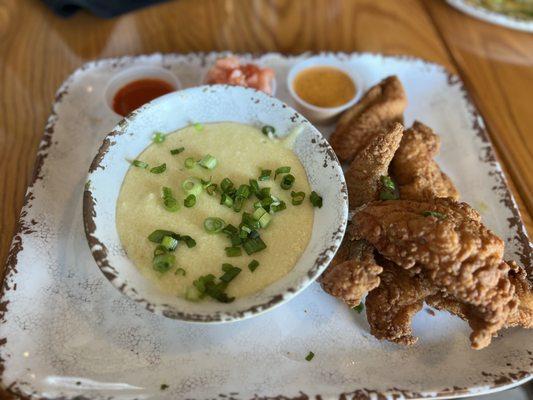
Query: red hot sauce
[139, 92]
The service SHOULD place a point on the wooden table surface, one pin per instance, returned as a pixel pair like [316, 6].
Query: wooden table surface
[38, 50]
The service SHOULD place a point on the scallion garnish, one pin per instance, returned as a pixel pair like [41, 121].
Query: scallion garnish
[190, 163]
[435, 214]
[214, 225]
[159, 137]
[253, 245]
[315, 199]
[177, 151]
[265, 175]
[258, 213]
[169, 243]
[278, 207]
[139, 164]
[189, 201]
[297, 198]
[282, 170]
[309, 356]
[268, 130]
[160, 249]
[388, 189]
[189, 241]
[263, 193]
[158, 235]
[208, 162]
[180, 271]
[206, 285]
[287, 181]
[226, 185]
[254, 186]
[193, 294]
[238, 203]
[265, 219]
[252, 266]
[359, 308]
[163, 262]
[233, 251]
[230, 272]
[192, 186]
[226, 200]
[169, 201]
[230, 230]
[159, 169]
[243, 191]
[211, 189]
[198, 126]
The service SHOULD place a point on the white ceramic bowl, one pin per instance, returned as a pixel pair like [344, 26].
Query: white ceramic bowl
[323, 114]
[206, 104]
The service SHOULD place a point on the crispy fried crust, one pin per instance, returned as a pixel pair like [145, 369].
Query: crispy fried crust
[524, 294]
[372, 162]
[391, 306]
[457, 253]
[381, 105]
[352, 274]
[418, 176]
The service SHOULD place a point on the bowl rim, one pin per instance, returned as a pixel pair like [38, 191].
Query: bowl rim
[326, 61]
[99, 250]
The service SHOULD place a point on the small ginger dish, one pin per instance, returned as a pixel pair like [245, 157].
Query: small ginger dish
[214, 204]
[232, 70]
[323, 87]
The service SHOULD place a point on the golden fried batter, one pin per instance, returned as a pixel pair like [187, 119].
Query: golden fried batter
[372, 162]
[524, 294]
[457, 254]
[418, 176]
[350, 278]
[391, 306]
[381, 105]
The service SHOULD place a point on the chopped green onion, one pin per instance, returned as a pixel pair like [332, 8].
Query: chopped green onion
[189, 241]
[169, 202]
[230, 230]
[169, 243]
[254, 234]
[252, 266]
[233, 251]
[226, 200]
[139, 164]
[249, 221]
[198, 126]
[238, 203]
[226, 185]
[258, 213]
[202, 281]
[297, 198]
[190, 163]
[263, 193]
[265, 219]
[193, 294]
[189, 201]
[244, 191]
[214, 225]
[268, 129]
[245, 231]
[177, 151]
[254, 245]
[230, 272]
[315, 199]
[211, 189]
[359, 308]
[309, 356]
[163, 262]
[160, 249]
[265, 175]
[282, 170]
[159, 169]
[435, 214]
[192, 186]
[287, 181]
[158, 235]
[254, 186]
[388, 189]
[236, 240]
[159, 137]
[278, 207]
[208, 162]
[180, 271]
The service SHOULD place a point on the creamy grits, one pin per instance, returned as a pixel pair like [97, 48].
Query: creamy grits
[241, 152]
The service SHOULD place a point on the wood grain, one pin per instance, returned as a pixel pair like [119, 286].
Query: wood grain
[38, 50]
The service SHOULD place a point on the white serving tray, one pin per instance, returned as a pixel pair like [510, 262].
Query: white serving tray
[66, 331]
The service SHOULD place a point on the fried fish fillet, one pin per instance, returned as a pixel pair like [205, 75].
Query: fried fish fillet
[372, 162]
[457, 253]
[415, 171]
[352, 273]
[391, 306]
[380, 106]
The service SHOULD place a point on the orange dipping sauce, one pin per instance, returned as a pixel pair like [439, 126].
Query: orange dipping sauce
[139, 92]
[325, 87]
